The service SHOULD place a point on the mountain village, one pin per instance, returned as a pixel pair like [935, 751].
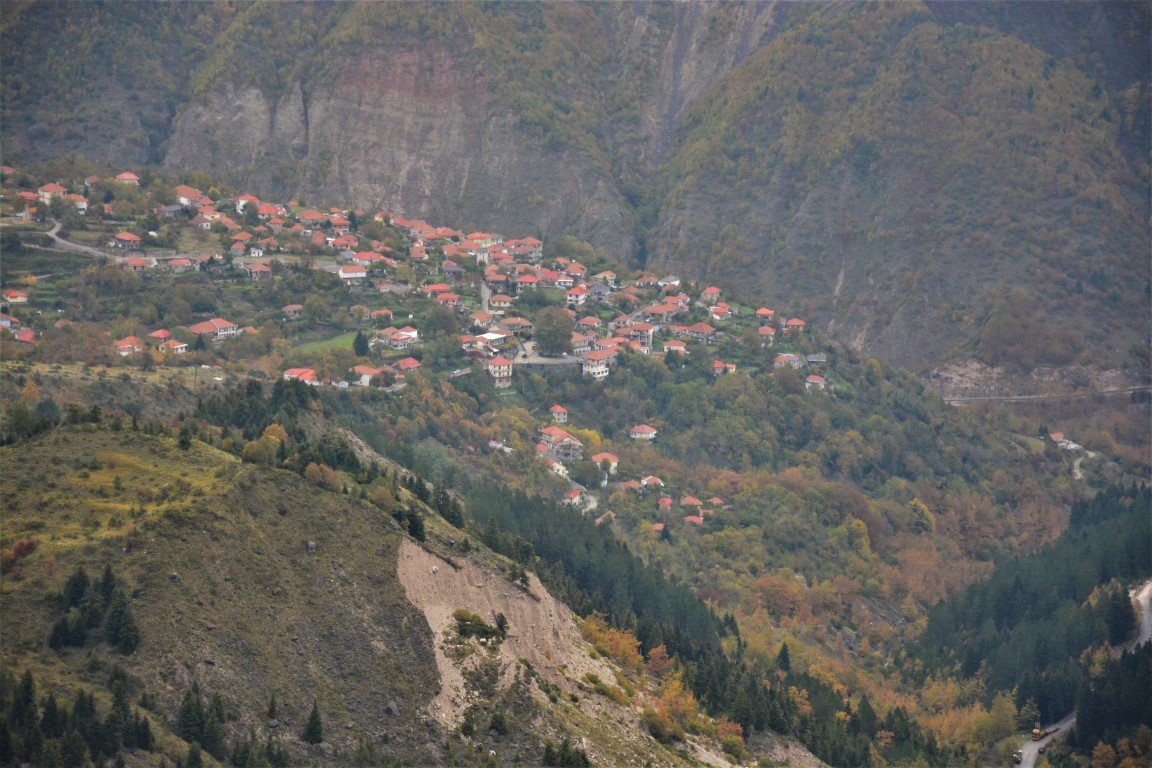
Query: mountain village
[412, 269]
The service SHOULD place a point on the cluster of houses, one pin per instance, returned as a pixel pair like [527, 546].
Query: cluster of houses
[557, 445]
[505, 271]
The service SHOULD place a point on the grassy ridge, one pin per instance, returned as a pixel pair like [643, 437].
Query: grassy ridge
[222, 585]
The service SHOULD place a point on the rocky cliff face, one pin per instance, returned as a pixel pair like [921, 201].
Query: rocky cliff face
[414, 126]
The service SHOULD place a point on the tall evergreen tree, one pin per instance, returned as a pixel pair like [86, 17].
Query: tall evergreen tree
[784, 659]
[52, 721]
[191, 717]
[120, 628]
[314, 729]
[360, 344]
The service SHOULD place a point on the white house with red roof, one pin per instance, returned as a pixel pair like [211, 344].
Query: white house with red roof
[352, 273]
[218, 328]
[50, 191]
[173, 347]
[129, 178]
[559, 414]
[500, 369]
[606, 459]
[186, 195]
[129, 345]
[364, 374]
[305, 375]
[596, 362]
[13, 296]
[642, 432]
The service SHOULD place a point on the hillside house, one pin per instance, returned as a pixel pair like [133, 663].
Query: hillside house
[127, 240]
[129, 178]
[129, 345]
[173, 347]
[519, 326]
[795, 325]
[499, 303]
[814, 382]
[306, 375]
[407, 365]
[561, 444]
[364, 375]
[217, 328]
[50, 191]
[559, 414]
[453, 272]
[710, 295]
[642, 432]
[702, 332]
[595, 363]
[136, 264]
[606, 460]
[258, 271]
[293, 311]
[352, 274]
[186, 195]
[582, 343]
[500, 369]
[12, 296]
[396, 338]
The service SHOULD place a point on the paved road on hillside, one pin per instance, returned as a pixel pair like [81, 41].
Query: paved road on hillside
[1143, 595]
[961, 399]
[68, 245]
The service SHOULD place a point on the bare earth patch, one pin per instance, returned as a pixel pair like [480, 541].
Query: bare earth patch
[540, 628]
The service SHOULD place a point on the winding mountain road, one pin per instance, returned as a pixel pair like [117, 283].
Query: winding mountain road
[1143, 595]
[68, 245]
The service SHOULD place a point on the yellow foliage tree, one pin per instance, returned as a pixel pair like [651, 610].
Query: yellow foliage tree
[677, 704]
[276, 432]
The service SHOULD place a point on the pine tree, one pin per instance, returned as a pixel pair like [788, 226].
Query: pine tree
[784, 659]
[52, 722]
[107, 584]
[120, 628]
[190, 718]
[75, 588]
[314, 730]
[73, 751]
[360, 344]
[272, 707]
[194, 758]
[416, 526]
[143, 737]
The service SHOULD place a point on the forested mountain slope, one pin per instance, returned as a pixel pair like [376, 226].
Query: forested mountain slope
[204, 601]
[934, 182]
